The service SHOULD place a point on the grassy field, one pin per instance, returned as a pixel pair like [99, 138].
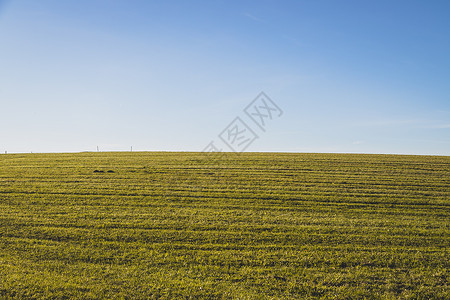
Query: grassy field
[248, 226]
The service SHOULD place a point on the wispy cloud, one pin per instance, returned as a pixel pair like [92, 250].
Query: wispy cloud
[388, 123]
[292, 40]
[253, 17]
[414, 123]
[438, 126]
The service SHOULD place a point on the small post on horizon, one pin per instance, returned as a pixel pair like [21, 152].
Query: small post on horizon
[97, 149]
[131, 148]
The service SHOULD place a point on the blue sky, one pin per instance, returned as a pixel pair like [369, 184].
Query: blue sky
[350, 76]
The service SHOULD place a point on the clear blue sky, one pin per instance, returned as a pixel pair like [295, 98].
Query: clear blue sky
[350, 76]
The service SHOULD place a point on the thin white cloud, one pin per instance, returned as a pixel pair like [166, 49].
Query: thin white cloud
[438, 126]
[252, 17]
[415, 123]
[388, 123]
[293, 40]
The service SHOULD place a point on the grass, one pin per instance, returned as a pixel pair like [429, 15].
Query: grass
[248, 226]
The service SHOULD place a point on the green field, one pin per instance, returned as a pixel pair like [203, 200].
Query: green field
[240, 226]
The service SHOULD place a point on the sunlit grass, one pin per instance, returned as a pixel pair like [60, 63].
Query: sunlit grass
[179, 225]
